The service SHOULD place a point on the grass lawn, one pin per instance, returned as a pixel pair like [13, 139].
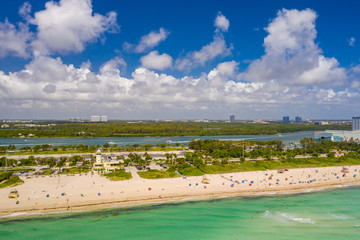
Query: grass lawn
[118, 176]
[155, 174]
[75, 170]
[191, 171]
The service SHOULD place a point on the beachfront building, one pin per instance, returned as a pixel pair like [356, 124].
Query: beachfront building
[298, 119]
[105, 164]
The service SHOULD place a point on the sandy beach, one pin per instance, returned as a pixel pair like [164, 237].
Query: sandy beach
[63, 193]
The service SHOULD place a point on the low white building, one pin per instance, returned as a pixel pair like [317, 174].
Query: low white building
[95, 118]
[337, 135]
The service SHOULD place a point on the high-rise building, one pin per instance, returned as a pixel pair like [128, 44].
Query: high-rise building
[103, 118]
[298, 119]
[95, 118]
[356, 123]
[232, 118]
[286, 119]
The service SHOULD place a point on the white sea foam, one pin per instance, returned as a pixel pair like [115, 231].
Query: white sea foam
[308, 190]
[287, 217]
[17, 214]
[265, 193]
[341, 216]
[187, 199]
[351, 184]
[14, 214]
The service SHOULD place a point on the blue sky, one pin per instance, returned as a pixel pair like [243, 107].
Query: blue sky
[179, 59]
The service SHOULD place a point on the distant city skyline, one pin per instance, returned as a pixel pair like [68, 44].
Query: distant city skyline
[173, 60]
[89, 119]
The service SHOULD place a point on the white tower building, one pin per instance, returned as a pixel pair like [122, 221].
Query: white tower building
[98, 156]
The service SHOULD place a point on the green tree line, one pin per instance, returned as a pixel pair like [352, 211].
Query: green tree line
[139, 129]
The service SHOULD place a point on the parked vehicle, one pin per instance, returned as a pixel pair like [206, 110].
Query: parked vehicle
[13, 194]
[138, 167]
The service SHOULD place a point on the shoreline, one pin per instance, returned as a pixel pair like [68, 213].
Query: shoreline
[182, 199]
[35, 202]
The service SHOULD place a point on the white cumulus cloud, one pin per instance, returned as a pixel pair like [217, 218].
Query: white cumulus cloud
[293, 74]
[48, 83]
[154, 60]
[291, 54]
[14, 40]
[208, 52]
[214, 49]
[68, 25]
[351, 41]
[221, 23]
[148, 41]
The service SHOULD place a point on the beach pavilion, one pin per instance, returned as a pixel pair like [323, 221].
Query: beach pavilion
[104, 164]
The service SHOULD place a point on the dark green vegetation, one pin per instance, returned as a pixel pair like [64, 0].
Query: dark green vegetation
[7, 180]
[5, 175]
[118, 175]
[154, 174]
[270, 149]
[214, 156]
[123, 129]
[224, 166]
[46, 171]
[280, 164]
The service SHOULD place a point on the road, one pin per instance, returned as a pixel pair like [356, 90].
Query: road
[155, 155]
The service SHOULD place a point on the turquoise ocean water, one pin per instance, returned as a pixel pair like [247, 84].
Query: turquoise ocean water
[330, 214]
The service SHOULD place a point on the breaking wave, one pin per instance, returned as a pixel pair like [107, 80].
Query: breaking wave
[287, 218]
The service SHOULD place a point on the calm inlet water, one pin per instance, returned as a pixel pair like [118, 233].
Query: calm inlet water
[333, 214]
[123, 141]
